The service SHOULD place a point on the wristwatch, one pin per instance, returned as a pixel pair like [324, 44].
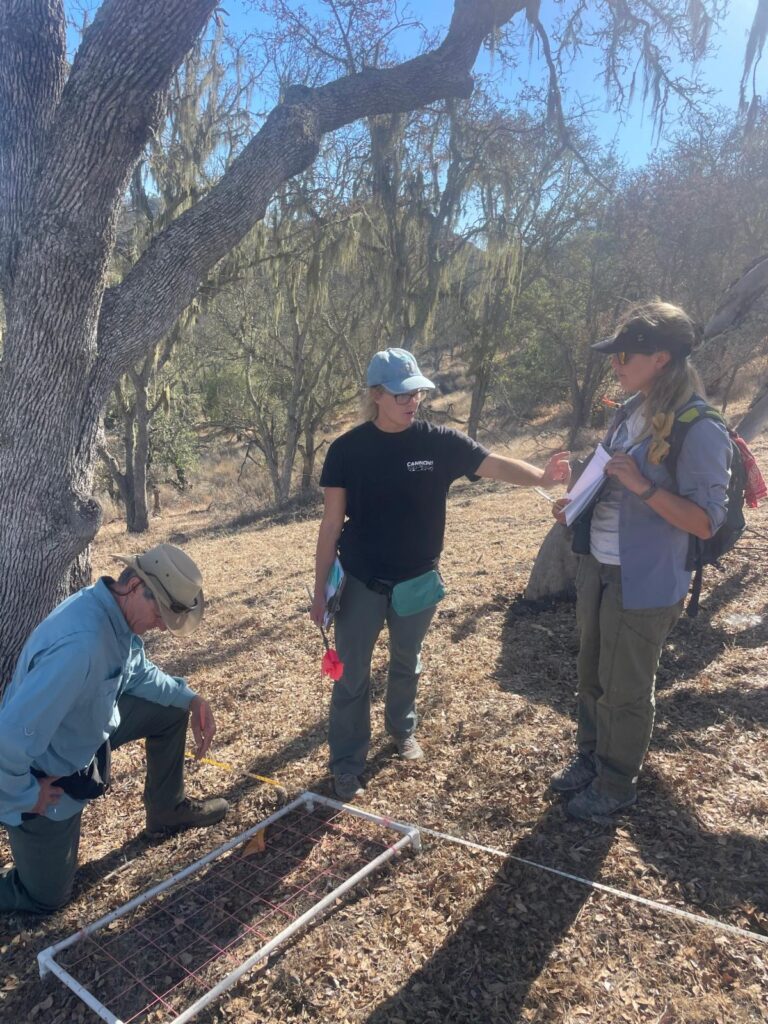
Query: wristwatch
[648, 492]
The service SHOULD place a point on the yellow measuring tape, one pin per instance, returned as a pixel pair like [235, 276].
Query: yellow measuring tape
[235, 771]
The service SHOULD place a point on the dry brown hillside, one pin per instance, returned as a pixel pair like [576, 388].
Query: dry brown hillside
[453, 935]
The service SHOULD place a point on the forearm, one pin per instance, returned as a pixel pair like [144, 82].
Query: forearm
[680, 512]
[151, 683]
[510, 471]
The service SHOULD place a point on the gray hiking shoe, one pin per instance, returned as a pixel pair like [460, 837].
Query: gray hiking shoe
[409, 748]
[577, 775]
[188, 813]
[347, 786]
[589, 805]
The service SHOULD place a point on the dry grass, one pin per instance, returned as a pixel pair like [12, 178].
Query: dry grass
[454, 935]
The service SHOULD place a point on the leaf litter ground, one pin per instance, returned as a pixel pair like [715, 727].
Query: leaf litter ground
[456, 935]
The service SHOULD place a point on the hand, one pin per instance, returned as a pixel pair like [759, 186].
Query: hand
[203, 725]
[317, 610]
[626, 471]
[49, 794]
[557, 470]
[558, 510]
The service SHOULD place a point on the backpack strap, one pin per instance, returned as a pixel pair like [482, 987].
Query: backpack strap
[683, 423]
[692, 608]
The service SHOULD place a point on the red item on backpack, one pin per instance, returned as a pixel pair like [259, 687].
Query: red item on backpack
[755, 489]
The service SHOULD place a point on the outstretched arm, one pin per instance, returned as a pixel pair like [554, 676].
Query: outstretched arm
[515, 471]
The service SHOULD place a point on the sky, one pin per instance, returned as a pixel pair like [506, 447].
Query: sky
[635, 138]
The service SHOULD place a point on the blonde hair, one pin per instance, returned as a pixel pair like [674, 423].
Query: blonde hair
[677, 382]
[369, 410]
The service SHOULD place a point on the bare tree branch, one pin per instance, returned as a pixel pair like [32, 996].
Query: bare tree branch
[138, 312]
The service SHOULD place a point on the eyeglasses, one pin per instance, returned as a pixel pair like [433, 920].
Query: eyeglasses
[404, 399]
[176, 606]
[623, 357]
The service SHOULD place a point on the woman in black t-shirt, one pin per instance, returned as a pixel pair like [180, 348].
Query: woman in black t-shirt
[386, 483]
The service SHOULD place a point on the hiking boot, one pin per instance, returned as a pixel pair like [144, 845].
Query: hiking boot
[589, 805]
[347, 786]
[577, 775]
[409, 748]
[188, 813]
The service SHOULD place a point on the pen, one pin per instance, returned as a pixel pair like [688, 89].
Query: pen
[544, 494]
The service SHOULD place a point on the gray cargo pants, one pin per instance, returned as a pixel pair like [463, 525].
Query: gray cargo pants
[358, 623]
[618, 658]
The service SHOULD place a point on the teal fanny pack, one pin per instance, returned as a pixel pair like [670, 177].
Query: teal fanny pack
[418, 594]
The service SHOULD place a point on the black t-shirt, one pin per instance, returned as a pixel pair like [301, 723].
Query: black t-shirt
[397, 485]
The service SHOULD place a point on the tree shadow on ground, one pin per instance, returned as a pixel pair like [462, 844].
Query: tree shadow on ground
[719, 873]
[300, 508]
[540, 643]
[484, 970]
[688, 710]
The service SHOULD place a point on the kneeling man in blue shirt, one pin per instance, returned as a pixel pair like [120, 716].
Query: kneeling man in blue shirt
[83, 686]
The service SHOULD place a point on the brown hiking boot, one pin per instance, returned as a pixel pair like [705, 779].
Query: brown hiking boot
[189, 813]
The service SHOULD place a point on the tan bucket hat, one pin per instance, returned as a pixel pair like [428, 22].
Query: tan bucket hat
[176, 582]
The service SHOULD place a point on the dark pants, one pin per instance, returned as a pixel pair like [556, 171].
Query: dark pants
[618, 658]
[359, 621]
[45, 851]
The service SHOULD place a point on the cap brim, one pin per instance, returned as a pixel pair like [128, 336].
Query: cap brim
[400, 387]
[607, 346]
[178, 623]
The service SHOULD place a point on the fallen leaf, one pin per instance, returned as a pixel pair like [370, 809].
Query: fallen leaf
[257, 844]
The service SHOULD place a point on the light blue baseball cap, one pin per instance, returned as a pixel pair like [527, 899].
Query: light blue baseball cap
[397, 371]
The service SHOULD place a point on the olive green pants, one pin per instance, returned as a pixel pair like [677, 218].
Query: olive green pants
[45, 851]
[617, 663]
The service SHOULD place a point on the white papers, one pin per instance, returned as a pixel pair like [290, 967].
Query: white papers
[587, 486]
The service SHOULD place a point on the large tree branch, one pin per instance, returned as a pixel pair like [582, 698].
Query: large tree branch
[138, 312]
[29, 93]
[739, 299]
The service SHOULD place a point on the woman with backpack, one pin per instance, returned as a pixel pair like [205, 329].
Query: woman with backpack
[634, 541]
[386, 484]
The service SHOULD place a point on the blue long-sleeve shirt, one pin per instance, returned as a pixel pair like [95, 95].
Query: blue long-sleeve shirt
[61, 704]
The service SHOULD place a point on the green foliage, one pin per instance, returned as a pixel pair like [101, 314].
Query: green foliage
[174, 448]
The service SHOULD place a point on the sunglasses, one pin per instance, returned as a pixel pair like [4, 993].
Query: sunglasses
[622, 358]
[176, 606]
[405, 398]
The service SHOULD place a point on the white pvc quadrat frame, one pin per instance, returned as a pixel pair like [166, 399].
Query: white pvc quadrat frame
[411, 838]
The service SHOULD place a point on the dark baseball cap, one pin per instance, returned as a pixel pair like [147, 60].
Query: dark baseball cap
[644, 339]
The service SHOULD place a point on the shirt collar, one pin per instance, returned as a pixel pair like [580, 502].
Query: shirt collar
[105, 598]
